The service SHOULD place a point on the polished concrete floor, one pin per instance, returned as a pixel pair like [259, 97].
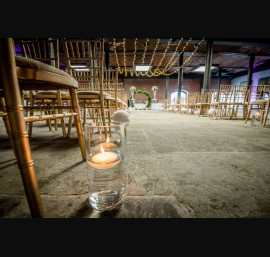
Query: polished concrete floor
[177, 166]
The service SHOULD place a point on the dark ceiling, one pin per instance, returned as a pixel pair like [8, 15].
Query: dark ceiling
[232, 55]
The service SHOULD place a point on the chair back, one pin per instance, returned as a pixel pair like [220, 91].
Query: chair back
[226, 93]
[110, 81]
[46, 51]
[192, 97]
[85, 62]
[206, 95]
[241, 94]
[121, 92]
[260, 92]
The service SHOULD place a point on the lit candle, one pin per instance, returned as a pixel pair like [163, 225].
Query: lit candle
[106, 145]
[109, 144]
[104, 160]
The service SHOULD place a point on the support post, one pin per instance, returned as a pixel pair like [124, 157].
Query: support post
[166, 87]
[208, 64]
[180, 77]
[250, 70]
[219, 78]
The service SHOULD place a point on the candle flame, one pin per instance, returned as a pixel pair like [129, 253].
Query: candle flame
[108, 140]
[102, 150]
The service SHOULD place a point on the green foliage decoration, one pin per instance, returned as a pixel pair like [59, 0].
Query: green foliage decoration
[142, 92]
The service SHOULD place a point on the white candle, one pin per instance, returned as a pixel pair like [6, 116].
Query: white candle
[104, 160]
[107, 145]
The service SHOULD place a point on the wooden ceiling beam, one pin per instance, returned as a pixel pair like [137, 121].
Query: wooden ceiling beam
[198, 52]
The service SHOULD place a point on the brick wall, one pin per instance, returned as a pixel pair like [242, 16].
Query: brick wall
[190, 85]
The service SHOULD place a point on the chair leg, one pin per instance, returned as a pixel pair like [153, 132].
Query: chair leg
[74, 102]
[19, 133]
[248, 114]
[7, 124]
[266, 114]
[69, 127]
[60, 102]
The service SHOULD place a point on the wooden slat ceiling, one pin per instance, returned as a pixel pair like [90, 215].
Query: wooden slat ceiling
[231, 55]
[232, 58]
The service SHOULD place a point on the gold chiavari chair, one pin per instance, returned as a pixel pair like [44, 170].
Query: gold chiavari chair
[181, 104]
[165, 104]
[17, 74]
[240, 100]
[259, 100]
[110, 85]
[225, 101]
[122, 96]
[191, 101]
[204, 100]
[47, 51]
[88, 53]
[174, 105]
[214, 101]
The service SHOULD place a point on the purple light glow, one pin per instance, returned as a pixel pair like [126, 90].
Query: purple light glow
[255, 79]
[18, 50]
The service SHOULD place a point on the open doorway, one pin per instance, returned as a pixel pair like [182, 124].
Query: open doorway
[174, 96]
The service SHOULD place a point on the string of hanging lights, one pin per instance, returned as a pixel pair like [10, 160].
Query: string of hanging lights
[156, 71]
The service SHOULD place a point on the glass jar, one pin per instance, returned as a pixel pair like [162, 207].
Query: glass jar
[105, 170]
[256, 117]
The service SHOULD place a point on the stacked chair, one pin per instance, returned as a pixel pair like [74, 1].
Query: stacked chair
[18, 74]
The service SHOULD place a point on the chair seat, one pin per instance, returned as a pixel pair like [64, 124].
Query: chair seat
[259, 102]
[44, 75]
[202, 103]
[26, 93]
[51, 94]
[85, 92]
[241, 103]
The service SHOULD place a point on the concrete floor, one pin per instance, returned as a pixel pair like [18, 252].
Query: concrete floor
[177, 166]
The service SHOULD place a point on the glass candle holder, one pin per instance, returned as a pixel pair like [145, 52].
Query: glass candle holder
[124, 124]
[256, 117]
[105, 158]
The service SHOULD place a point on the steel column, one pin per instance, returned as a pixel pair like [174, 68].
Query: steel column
[166, 87]
[250, 70]
[219, 77]
[208, 64]
[180, 76]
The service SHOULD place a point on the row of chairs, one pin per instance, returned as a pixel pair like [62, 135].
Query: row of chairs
[33, 88]
[99, 92]
[226, 102]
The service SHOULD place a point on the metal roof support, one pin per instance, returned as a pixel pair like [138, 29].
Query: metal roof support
[208, 64]
[250, 70]
[166, 87]
[180, 76]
